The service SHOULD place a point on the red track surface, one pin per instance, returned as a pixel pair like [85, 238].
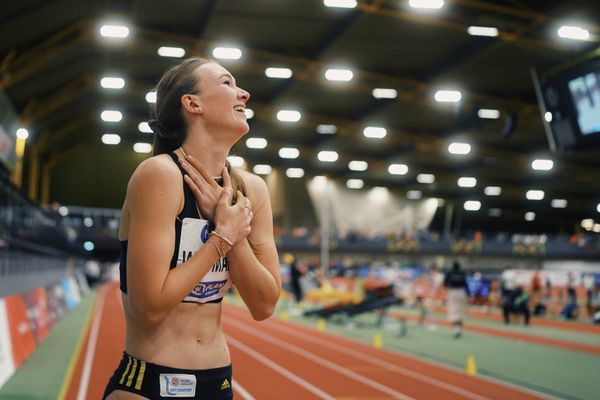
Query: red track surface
[535, 339]
[280, 360]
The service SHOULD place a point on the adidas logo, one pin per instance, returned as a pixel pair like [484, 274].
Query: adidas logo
[225, 385]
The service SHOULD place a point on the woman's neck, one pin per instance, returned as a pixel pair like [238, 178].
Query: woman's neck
[210, 153]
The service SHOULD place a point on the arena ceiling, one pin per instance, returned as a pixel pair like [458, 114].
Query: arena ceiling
[52, 59]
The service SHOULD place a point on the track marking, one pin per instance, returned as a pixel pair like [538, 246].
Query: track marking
[320, 360]
[279, 369]
[441, 365]
[386, 364]
[243, 392]
[76, 353]
[91, 347]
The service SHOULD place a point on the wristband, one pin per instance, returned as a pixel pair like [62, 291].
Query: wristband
[217, 248]
[229, 242]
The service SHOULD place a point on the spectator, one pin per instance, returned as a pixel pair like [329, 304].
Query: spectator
[456, 284]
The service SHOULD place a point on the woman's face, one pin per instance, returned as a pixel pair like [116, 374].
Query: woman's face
[223, 103]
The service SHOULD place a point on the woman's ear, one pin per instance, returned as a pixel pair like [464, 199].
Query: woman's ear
[191, 103]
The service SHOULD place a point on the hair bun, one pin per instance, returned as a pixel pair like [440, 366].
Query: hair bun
[156, 127]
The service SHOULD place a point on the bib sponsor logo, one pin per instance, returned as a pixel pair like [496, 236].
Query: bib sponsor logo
[177, 385]
[207, 289]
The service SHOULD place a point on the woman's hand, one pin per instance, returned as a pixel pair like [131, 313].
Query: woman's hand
[205, 189]
[233, 220]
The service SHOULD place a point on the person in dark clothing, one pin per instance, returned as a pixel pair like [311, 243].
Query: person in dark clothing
[456, 283]
[295, 275]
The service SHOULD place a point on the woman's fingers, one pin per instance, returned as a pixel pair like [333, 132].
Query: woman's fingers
[201, 169]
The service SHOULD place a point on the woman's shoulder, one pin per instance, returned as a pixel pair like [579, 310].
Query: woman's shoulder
[156, 170]
[256, 186]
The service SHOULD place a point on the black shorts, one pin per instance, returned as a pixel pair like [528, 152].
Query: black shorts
[157, 382]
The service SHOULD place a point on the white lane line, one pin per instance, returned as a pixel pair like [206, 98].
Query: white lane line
[91, 347]
[279, 369]
[319, 360]
[242, 392]
[382, 363]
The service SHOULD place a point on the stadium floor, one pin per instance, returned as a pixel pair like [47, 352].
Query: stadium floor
[301, 362]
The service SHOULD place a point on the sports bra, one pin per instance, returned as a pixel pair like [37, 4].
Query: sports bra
[191, 233]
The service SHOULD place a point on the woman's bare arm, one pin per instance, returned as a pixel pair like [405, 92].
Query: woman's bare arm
[155, 196]
[255, 270]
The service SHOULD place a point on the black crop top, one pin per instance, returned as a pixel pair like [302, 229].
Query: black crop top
[191, 233]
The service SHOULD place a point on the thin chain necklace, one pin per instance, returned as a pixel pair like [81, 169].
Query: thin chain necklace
[216, 178]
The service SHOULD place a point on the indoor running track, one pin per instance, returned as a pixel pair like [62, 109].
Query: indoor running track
[274, 359]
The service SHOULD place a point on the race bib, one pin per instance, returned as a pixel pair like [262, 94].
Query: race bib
[194, 234]
[177, 385]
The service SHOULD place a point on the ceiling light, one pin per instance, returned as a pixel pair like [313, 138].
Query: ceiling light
[235, 161]
[488, 113]
[88, 245]
[256, 143]
[375, 132]
[88, 222]
[227, 53]
[494, 212]
[327, 156]
[294, 172]
[459, 148]
[383, 93]
[144, 127]
[482, 31]
[340, 3]
[492, 191]
[141, 147]
[559, 203]
[358, 165]
[112, 82]
[598, 208]
[414, 194]
[111, 138]
[280, 73]
[340, 75]
[326, 129]
[398, 169]
[425, 178]
[426, 4]
[355, 183]
[534, 194]
[176, 52]
[64, 211]
[114, 31]
[151, 97]
[111, 116]
[22, 133]
[573, 32]
[249, 113]
[467, 182]
[448, 96]
[529, 216]
[289, 115]
[542, 165]
[289, 152]
[472, 205]
[587, 223]
[548, 116]
[262, 169]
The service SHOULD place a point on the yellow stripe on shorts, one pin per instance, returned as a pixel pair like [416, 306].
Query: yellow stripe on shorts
[126, 371]
[140, 378]
[132, 374]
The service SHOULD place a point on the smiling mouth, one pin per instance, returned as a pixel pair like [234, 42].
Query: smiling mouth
[239, 108]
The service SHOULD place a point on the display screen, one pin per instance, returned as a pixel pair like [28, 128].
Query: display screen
[585, 92]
